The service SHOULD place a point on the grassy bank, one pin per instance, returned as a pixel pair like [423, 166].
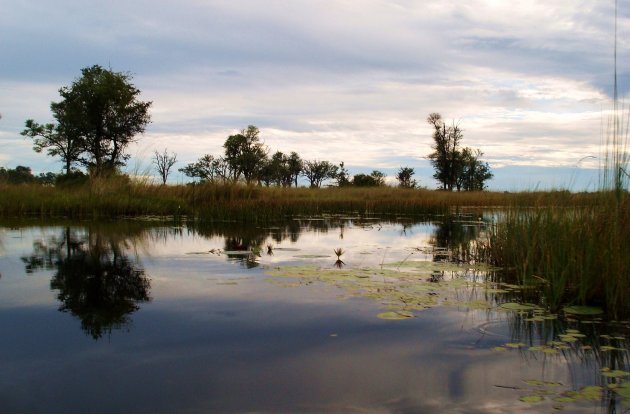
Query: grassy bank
[216, 202]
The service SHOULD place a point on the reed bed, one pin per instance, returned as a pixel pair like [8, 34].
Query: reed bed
[120, 197]
[575, 254]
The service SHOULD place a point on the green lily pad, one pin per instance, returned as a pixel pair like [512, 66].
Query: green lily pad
[583, 310]
[395, 315]
[519, 307]
[311, 256]
[623, 390]
[531, 398]
[615, 373]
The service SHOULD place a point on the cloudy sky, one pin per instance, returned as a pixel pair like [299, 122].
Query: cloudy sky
[529, 82]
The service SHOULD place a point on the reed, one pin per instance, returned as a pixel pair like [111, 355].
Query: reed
[575, 254]
[121, 196]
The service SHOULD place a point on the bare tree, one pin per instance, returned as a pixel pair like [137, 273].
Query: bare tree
[163, 163]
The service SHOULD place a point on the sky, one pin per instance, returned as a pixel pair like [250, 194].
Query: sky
[529, 82]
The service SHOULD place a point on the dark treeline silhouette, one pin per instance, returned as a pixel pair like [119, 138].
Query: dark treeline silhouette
[100, 115]
[247, 159]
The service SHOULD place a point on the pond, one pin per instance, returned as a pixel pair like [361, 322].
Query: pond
[228, 318]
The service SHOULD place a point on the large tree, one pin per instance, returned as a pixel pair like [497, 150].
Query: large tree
[455, 168]
[245, 153]
[98, 117]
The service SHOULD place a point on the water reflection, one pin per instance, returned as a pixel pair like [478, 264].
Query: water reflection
[95, 278]
[293, 340]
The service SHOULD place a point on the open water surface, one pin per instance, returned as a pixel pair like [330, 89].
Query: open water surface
[143, 318]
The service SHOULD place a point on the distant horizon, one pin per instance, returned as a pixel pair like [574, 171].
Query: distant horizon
[530, 84]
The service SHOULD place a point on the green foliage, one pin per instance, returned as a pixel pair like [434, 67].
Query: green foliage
[404, 178]
[245, 154]
[24, 175]
[98, 117]
[455, 168]
[578, 255]
[343, 176]
[318, 171]
[375, 179]
[55, 141]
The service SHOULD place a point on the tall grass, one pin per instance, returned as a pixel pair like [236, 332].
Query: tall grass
[578, 253]
[121, 196]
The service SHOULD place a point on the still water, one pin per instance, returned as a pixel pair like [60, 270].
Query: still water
[143, 318]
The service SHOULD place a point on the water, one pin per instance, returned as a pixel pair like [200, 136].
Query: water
[133, 317]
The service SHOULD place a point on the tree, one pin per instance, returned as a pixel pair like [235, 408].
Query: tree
[343, 176]
[163, 163]
[245, 154]
[363, 180]
[295, 166]
[97, 119]
[475, 172]
[379, 177]
[208, 168]
[404, 178]
[65, 145]
[446, 157]
[318, 171]
[17, 175]
[375, 179]
[455, 167]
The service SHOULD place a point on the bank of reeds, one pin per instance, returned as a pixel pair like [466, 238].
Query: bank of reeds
[578, 253]
[119, 197]
[575, 254]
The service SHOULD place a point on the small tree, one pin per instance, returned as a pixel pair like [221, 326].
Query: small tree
[379, 177]
[318, 171]
[404, 178]
[163, 163]
[343, 176]
[58, 141]
[295, 166]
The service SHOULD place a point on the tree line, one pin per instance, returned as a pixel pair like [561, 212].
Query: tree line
[246, 158]
[100, 115]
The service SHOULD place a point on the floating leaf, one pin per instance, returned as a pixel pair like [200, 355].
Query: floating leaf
[311, 256]
[623, 390]
[583, 310]
[395, 315]
[517, 306]
[615, 373]
[531, 398]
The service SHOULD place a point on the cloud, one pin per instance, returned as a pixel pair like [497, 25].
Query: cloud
[529, 82]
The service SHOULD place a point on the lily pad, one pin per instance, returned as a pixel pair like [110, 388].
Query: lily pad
[615, 373]
[311, 256]
[395, 315]
[531, 398]
[583, 310]
[519, 307]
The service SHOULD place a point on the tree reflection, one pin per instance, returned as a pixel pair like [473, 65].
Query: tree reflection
[459, 239]
[96, 281]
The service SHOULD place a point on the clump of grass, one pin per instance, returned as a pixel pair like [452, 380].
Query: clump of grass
[577, 255]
